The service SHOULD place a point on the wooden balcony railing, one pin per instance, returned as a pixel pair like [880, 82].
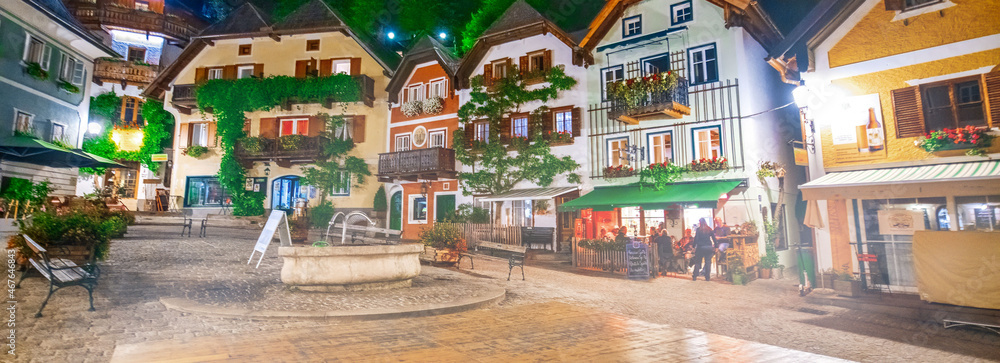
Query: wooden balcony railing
[670, 103]
[430, 164]
[173, 25]
[284, 150]
[116, 70]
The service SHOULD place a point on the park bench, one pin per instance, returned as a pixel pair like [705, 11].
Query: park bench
[360, 234]
[543, 236]
[61, 273]
[515, 255]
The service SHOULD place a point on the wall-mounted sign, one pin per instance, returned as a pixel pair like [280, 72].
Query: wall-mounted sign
[900, 221]
[255, 184]
[419, 136]
[801, 156]
[857, 121]
[158, 157]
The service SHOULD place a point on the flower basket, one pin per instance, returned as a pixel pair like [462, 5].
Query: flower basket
[412, 108]
[35, 71]
[715, 163]
[632, 92]
[976, 139]
[618, 171]
[196, 151]
[561, 137]
[292, 142]
[252, 145]
[658, 176]
[433, 105]
[68, 87]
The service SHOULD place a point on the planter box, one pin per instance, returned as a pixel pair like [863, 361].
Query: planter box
[850, 288]
[352, 268]
[765, 273]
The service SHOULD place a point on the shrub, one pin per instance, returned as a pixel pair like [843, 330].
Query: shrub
[319, 216]
[69, 87]
[252, 144]
[35, 71]
[115, 227]
[292, 142]
[195, 151]
[75, 228]
[443, 235]
[467, 213]
[602, 245]
[380, 204]
[124, 215]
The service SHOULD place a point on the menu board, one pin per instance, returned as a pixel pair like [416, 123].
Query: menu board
[637, 254]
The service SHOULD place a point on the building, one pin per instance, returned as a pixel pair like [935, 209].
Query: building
[310, 43]
[704, 104]
[46, 65]
[419, 167]
[147, 36]
[524, 40]
[873, 111]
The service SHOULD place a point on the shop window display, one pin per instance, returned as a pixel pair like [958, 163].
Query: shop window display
[980, 213]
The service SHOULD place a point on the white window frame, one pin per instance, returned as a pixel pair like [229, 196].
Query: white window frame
[295, 126]
[344, 192]
[416, 92]
[678, 7]
[214, 73]
[567, 119]
[341, 67]
[142, 6]
[703, 64]
[52, 131]
[199, 134]
[437, 88]
[404, 142]
[696, 141]
[17, 118]
[45, 53]
[345, 131]
[627, 26]
[240, 69]
[605, 81]
[615, 151]
[667, 153]
[482, 132]
[500, 64]
[442, 133]
[411, 208]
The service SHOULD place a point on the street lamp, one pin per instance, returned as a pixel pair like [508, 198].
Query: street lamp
[391, 35]
[94, 128]
[267, 169]
[442, 35]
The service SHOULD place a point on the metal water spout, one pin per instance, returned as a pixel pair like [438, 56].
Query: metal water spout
[343, 233]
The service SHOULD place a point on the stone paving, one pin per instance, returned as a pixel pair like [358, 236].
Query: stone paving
[151, 263]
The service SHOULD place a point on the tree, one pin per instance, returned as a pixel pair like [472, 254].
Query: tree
[495, 169]
[333, 170]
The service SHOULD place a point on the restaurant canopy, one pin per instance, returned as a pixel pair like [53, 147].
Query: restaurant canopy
[530, 193]
[38, 152]
[972, 178]
[609, 198]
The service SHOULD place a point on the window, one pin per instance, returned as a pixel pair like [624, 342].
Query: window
[294, 126]
[681, 13]
[661, 147]
[519, 126]
[564, 121]
[343, 190]
[403, 142]
[437, 89]
[312, 45]
[438, 139]
[418, 209]
[131, 111]
[245, 49]
[483, 131]
[953, 104]
[204, 191]
[631, 26]
[342, 67]
[611, 75]
[58, 132]
[521, 213]
[244, 72]
[656, 64]
[979, 213]
[35, 51]
[500, 68]
[704, 65]
[631, 219]
[22, 121]
[618, 152]
[415, 92]
[71, 70]
[199, 134]
[136, 54]
[142, 6]
[346, 130]
[536, 61]
[129, 181]
[707, 142]
[215, 73]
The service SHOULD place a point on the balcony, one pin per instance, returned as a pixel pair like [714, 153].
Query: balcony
[672, 103]
[285, 150]
[118, 71]
[185, 96]
[428, 164]
[176, 25]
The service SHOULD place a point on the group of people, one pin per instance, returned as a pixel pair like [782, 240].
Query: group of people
[675, 255]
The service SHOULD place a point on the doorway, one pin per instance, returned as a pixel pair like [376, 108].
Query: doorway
[396, 211]
[284, 192]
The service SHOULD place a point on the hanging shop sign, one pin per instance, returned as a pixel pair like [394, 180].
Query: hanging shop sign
[900, 221]
[801, 156]
[158, 157]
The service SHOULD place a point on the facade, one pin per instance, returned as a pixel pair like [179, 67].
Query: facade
[419, 167]
[40, 39]
[312, 41]
[868, 106]
[147, 36]
[721, 107]
[523, 39]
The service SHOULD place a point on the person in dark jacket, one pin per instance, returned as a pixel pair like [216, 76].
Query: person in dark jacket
[704, 249]
[665, 250]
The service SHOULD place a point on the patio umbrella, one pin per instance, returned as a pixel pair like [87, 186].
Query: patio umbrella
[813, 218]
[38, 152]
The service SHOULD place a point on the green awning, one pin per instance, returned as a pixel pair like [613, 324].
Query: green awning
[609, 198]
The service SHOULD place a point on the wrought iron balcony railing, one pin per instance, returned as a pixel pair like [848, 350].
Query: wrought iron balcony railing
[672, 103]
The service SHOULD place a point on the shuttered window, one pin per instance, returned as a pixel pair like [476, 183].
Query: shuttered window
[954, 103]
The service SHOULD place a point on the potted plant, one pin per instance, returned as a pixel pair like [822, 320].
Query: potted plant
[292, 142]
[35, 70]
[846, 284]
[299, 229]
[68, 87]
[735, 268]
[976, 140]
[196, 151]
[412, 108]
[446, 241]
[433, 105]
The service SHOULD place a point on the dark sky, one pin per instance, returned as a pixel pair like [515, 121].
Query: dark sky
[787, 13]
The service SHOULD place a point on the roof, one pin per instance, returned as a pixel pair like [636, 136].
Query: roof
[530, 193]
[609, 198]
[905, 182]
[814, 27]
[519, 21]
[56, 10]
[312, 15]
[425, 50]
[246, 19]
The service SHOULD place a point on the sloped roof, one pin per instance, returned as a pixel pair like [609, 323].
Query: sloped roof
[792, 54]
[519, 14]
[245, 19]
[312, 15]
[56, 10]
[425, 50]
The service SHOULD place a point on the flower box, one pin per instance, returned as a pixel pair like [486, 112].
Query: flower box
[618, 172]
[704, 164]
[976, 140]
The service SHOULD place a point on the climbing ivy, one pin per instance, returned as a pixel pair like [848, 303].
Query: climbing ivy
[230, 99]
[157, 131]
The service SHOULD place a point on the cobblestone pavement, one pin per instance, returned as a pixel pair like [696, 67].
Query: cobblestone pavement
[152, 262]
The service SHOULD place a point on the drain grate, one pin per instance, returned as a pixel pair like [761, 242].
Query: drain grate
[813, 311]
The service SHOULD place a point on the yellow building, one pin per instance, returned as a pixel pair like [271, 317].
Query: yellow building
[313, 41]
[882, 81]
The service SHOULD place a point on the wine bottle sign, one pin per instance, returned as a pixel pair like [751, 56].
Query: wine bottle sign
[876, 141]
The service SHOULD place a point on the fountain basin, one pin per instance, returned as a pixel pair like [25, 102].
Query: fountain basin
[352, 268]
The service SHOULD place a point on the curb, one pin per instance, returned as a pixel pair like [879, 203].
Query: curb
[493, 296]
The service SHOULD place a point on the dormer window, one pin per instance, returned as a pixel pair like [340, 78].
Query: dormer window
[415, 92]
[681, 13]
[632, 26]
[536, 61]
[499, 69]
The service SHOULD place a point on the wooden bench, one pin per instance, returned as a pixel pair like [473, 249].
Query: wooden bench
[61, 273]
[514, 254]
[544, 236]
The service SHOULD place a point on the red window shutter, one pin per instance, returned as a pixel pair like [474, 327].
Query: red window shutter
[258, 70]
[992, 82]
[524, 64]
[893, 5]
[269, 127]
[358, 129]
[325, 67]
[229, 72]
[300, 68]
[355, 66]
[211, 134]
[302, 128]
[547, 63]
[909, 112]
[185, 139]
[487, 73]
[577, 121]
[200, 74]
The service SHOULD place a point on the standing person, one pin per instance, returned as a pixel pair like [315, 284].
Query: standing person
[704, 249]
[621, 238]
[665, 250]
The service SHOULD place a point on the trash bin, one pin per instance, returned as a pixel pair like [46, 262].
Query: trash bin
[807, 264]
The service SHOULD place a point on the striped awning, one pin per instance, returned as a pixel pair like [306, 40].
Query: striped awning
[531, 193]
[971, 178]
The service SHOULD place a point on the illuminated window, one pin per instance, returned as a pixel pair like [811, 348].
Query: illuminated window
[294, 126]
[707, 142]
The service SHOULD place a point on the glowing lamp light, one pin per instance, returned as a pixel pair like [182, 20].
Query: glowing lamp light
[443, 35]
[801, 96]
[391, 35]
[94, 128]
[724, 196]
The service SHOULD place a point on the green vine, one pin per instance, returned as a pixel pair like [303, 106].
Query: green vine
[230, 100]
[104, 108]
[658, 176]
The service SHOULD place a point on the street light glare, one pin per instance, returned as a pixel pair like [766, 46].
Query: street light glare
[391, 35]
[443, 35]
[94, 128]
